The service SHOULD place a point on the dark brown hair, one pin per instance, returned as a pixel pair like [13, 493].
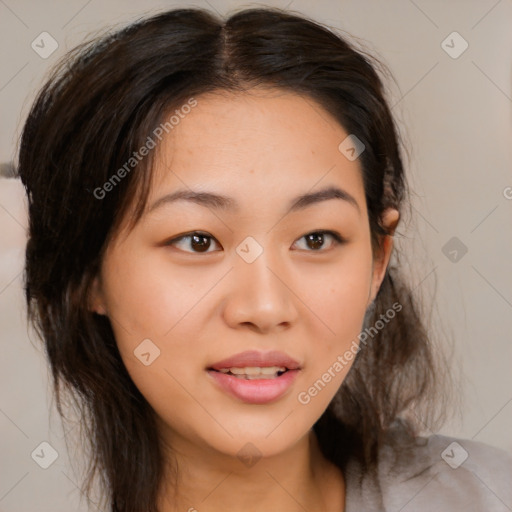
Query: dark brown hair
[99, 105]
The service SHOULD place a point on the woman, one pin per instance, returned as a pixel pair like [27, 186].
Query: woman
[212, 205]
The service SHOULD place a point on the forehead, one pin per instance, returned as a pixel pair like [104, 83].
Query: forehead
[257, 145]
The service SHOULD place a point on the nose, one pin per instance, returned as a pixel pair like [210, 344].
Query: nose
[260, 297]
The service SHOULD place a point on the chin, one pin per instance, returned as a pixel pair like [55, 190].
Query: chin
[250, 442]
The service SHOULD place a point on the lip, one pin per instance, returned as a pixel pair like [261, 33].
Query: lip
[259, 359]
[255, 391]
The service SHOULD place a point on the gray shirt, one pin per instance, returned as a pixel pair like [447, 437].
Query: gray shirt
[438, 474]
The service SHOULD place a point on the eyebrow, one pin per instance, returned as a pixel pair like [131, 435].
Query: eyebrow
[221, 202]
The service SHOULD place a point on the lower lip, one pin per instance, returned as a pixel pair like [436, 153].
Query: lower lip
[256, 391]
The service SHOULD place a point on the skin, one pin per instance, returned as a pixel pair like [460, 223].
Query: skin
[262, 148]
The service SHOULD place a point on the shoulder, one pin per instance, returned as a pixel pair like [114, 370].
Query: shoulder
[435, 473]
[444, 473]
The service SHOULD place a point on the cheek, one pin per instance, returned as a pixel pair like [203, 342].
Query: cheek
[155, 311]
[338, 298]
[148, 297]
[178, 406]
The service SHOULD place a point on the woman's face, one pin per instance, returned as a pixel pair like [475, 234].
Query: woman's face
[212, 299]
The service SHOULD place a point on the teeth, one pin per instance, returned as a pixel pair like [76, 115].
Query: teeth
[255, 372]
[260, 376]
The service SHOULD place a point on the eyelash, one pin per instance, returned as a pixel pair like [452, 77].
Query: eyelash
[338, 239]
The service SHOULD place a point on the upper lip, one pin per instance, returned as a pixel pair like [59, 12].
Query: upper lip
[254, 358]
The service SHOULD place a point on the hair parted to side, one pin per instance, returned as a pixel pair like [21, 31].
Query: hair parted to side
[98, 107]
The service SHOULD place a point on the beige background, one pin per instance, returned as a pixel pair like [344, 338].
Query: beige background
[456, 113]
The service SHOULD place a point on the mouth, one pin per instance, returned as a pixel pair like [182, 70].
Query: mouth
[254, 372]
[255, 377]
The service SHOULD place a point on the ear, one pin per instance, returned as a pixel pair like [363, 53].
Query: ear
[96, 302]
[390, 219]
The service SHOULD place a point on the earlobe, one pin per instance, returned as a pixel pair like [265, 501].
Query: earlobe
[96, 301]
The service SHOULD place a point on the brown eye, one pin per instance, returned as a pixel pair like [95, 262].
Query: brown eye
[194, 242]
[200, 242]
[316, 240]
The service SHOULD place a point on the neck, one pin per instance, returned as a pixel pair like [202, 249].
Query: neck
[296, 480]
